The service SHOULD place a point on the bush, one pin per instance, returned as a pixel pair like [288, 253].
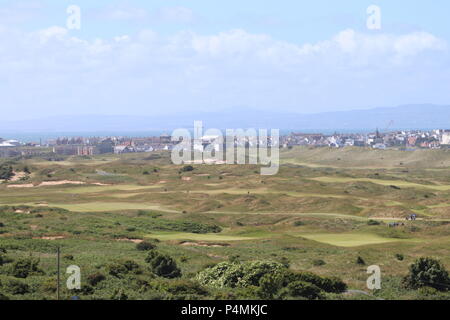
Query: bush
[3, 297]
[145, 246]
[49, 285]
[238, 275]
[186, 287]
[327, 284]
[95, 278]
[119, 269]
[68, 257]
[318, 262]
[360, 261]
[269, 285]
[4, 259]
[163, 265]
[187, 168]
[427, 272]
[22, 268]
[399, 257]
[373, 223]
[17, 287]
[304, 289]
[6, 172]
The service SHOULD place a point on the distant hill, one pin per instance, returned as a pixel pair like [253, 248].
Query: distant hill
[402, 117]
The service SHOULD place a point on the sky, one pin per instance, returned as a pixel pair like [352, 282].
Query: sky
[169, 57]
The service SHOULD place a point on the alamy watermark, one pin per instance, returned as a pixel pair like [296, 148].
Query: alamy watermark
[374, 19]
[74, 18]
[238, 146]
[374, 280]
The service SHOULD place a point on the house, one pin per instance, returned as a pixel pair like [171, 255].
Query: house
[123, 149]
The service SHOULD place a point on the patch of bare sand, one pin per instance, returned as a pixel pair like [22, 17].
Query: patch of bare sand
[204, 244]
[17, 176]
[29, 185]
[131, 240]
[54, 183]
[50, 237]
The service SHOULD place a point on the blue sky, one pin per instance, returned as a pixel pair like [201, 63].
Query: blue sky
[156, 57]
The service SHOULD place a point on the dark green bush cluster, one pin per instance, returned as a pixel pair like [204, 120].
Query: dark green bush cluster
[122, 268]
[271, 280]
[162, 265]
[427, 272]
[22, 268]
[187, 168]
[373, 223]
[145, 246]
[6, 172]
[95, 278]
[16, 287]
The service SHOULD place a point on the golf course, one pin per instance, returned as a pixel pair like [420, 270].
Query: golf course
[328, 212]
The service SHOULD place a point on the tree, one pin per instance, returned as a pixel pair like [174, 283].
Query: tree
[163, 265]
[427, 272]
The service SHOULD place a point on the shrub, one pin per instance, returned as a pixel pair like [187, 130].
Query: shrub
[299, 223]
[163, 265]
[68, 257]
[116, 269]
[373, 223]
[17, 287]
[95, 278]
[269, 285]
[6, 172]
[427, 272]
[49, 285]
[119, 295]
[3, 297]
[186, 287]
[360, 261]
[304, 289]
[4, 259]
[318, 263]
[399, 257]
[238, 275]
[187, 168]
[327, 284]
[145, 246]
[22, 268]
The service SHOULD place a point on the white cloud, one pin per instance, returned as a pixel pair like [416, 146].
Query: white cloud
[52, 71]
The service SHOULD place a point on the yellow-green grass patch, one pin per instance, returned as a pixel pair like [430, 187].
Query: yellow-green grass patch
[347, 239]
[398, 183]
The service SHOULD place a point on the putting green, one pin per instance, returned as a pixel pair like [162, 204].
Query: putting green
[347, 239]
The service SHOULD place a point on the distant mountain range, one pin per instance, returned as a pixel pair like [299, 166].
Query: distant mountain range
[402, 117]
